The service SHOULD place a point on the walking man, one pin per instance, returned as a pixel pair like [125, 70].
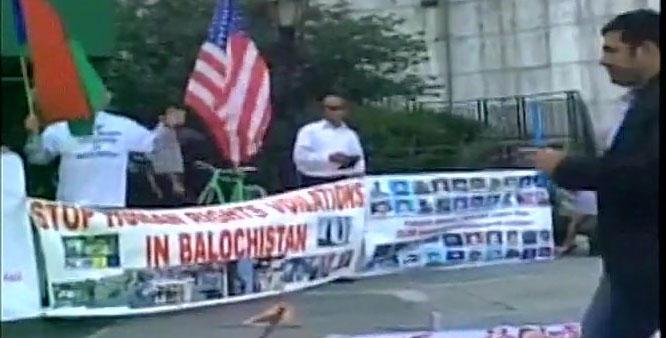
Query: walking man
[626, 179]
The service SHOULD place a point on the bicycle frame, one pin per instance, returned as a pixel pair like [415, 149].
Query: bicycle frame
[235, 178]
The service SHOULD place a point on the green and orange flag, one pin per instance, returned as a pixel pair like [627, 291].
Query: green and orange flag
[67, 87]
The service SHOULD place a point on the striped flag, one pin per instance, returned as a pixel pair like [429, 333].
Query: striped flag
[229, 87]
[66, 85]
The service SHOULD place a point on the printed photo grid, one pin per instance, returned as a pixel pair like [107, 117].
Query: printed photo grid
[465, 247]
[143, 288]
[446, 195]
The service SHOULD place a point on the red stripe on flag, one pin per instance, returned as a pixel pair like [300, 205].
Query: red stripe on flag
[249, 104]
[237, 116]
[263, 127]
[212, 61]
[237, 46]
[207, 83]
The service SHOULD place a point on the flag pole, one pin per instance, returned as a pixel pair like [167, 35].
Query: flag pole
[26, 85]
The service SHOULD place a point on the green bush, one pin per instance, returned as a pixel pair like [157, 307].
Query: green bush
[402, 141]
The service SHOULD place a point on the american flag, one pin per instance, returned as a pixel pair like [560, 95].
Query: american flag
[229, 87]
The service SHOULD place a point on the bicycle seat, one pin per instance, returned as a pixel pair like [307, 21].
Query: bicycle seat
[246, 169]
[204, 165]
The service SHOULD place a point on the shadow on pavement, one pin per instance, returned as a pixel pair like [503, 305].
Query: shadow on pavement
[54, 328]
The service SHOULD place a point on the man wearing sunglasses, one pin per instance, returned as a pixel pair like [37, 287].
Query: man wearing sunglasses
[328, 150]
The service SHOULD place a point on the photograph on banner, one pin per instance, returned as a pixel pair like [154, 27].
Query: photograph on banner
[454, 219]
[568, 330]
[128, 261]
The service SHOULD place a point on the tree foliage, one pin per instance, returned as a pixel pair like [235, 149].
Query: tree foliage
[369, 57]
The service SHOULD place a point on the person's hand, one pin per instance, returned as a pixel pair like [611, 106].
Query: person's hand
[339, 158]
[158, 192]
[179, 190]
[174, 118]
[31, 123]
[546, 159]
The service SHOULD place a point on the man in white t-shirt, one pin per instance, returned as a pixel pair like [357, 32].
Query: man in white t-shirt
[93, 169]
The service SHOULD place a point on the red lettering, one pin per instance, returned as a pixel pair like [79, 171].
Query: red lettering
[195, 217]
[262, 248]
[185, 241]
[270, 241]
[174, 219]
[238, 236]
[149, 251]
[113, 219]
[291, 205]
[318, 203]
[70, 217]
[225, 245]
[280, 232]
[36, 209]
[344, 196]
[289, 239]
[212, 255]
[52, 209]
[253, 242]
[200, 248]
[86, 215]
[257, 212]
[161, 250]
[301, 238]
[359, 195]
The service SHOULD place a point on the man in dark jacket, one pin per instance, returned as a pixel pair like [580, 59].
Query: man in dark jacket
[626, 178]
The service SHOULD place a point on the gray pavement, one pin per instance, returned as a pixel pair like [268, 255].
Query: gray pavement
[549, 292]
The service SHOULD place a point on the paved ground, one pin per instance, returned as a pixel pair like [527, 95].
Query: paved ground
[549, 292]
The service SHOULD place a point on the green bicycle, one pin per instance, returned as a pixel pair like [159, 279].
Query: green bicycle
[233, 180]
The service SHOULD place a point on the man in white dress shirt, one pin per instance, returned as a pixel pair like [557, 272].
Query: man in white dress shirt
[328, 150]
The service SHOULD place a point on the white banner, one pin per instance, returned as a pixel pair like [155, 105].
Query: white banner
[20, 284]
[456, 219]
[119, 262]
[571, 330]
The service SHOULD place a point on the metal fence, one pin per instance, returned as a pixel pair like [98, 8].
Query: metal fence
[559, 117]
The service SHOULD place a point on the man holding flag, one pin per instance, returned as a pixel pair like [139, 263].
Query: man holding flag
[94, 144]
[93, 168]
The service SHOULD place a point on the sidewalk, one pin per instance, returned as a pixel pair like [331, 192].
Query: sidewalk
[552, 292]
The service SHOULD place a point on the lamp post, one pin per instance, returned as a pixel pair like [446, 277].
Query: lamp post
[287, 15]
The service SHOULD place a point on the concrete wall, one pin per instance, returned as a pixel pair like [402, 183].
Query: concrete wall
[511, 47]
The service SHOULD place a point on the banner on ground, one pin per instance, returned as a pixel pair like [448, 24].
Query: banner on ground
[571, 330]
[456, 219]
[119, 262]
[20, 283]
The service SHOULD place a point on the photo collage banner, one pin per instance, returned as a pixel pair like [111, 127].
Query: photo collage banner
[119, 262]
[130, 261]
[456, 219]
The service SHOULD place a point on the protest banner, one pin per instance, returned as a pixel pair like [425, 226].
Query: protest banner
[569, 330]
[456, 219]
[124, 262]
[20, 283]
